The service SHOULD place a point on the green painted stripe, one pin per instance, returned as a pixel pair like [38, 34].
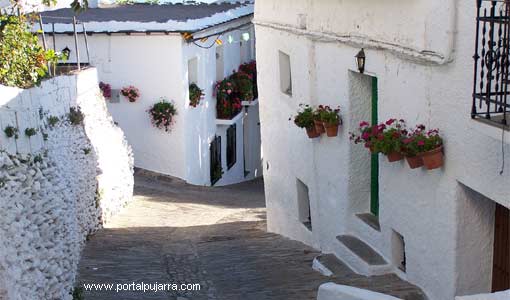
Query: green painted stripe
[374, 176]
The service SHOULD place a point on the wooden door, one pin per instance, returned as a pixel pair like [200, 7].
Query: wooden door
[501, 260]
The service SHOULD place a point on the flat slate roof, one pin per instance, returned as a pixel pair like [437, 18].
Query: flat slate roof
[142, 13]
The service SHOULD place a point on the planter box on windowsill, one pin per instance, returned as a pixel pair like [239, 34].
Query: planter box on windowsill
[223, 122]
[250, 103]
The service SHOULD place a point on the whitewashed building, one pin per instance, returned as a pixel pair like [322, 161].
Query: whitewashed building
[161, 50]
[443, 230]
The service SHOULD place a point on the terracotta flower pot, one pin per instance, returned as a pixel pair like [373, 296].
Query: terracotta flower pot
[395, 156]
[312, 133]
[433, 159]
[414, 162]
[331, 129]
[319, 127]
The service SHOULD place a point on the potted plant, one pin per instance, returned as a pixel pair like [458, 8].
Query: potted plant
[195, 94]
[243, 86]
[228, 105]
[386, 138]
[251, 69]
[426, 145]
[131, 93]
[304, 119]
[163, 114]
[330, 119]
[106, 90]
[11, 131]
[317, 121]
[411, 150]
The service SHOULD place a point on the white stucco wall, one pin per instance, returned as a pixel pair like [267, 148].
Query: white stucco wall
[54, 192]
[332, 291]
[425, 207]
[201, 124]
[153, 64]
[494, 296]
[158, 66]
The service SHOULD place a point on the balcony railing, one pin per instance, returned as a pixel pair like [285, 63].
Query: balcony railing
[491, 68]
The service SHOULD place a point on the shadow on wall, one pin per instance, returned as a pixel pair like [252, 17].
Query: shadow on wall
[59, 152]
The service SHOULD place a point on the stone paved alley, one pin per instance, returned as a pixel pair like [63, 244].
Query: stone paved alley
[178, 233]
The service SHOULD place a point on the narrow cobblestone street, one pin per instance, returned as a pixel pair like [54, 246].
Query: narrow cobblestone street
[178, 233]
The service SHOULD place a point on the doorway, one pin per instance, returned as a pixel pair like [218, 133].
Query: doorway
[501, 258]
[364, 184]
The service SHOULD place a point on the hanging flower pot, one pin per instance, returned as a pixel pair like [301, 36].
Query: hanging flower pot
[414, 162]
[312, 132]
[319, 126]
[305, 119]
[424, 145]
[433, 159]
[131, 93]
[328, 118]
[395, 156]
[331, 129]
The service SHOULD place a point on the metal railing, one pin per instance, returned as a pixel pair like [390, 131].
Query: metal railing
[76, 34]
[491, 62]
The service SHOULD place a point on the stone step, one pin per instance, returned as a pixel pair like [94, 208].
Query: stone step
[330, 265]
[370, 220]
[389, 284]
[361, 257]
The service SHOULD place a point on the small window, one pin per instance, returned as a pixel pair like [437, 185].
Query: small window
[220, 64]
[285, 74]
[303, 199]
[216, 171]
[399, 251]
[193, 71]
[231, 146]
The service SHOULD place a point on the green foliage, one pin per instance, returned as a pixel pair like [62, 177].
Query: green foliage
[228, 105]
[11, 131]
[53, 120]
[38, 159]
[327, 115]
[75, 116]
[195, 94]
[23, 62]
[382, 138]
[78, 5]
[77, 293]
[98, 197]
[244, 86]
[87, 151]
[420, 141]
[163, 114]
[305, 116]
[30, 132]
[124, 2]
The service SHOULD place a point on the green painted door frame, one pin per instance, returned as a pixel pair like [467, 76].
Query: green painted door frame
[374, 168]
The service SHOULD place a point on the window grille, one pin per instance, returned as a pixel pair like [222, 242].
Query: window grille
[231, 146]
[216, 170]
[491, 62]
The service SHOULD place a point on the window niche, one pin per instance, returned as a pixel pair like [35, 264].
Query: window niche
[398, 251]
[285, 73]
[303, 199]
[193, 70]
[231, 146]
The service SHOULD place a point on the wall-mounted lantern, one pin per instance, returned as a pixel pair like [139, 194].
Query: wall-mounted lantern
[360, 60]
[66, 52]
